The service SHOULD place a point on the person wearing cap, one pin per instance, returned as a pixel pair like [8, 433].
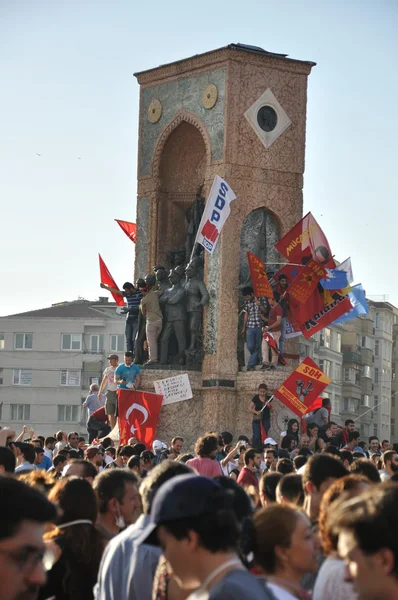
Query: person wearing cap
[193, 520]
[108, 381]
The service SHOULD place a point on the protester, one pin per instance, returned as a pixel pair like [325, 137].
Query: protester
[320, 416]
[367, 530]
[319, 473]
[119, 460]
[23, 513]
[330, 583]
[192, 517]
[206, 450]
[108, 381]
[97, 425]
[158, 447]
[128, 565]
[281, 297]
[274, 327]
[146, 462]
[292, 430]
[7, 461]
[284, 549]
[134, 464]
[61, 443]
[363, 466]
[41, 461]
[81, 468]
[175, 449]
[133, 297]
[93, 401]
[290, 490]
[76, 543]
[389, 464]
[150, 309]
[59, 463]
[252, 321]
[267, 487]
[118, 501]
[271, 459]
[73, 443]
[247, 476]
[260, 408]
[374, 445]
[28, 455]
[128, 374]
[342, 436]
[95, 456]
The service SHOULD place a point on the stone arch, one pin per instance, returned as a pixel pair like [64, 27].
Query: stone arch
[181, 116]
[180, 164]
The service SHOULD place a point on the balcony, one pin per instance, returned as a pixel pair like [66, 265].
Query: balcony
[352, 357]
[367, 356]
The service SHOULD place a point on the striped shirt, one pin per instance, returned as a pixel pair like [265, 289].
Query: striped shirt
[133, 304]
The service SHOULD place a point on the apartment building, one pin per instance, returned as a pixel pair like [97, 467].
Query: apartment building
[49, 358]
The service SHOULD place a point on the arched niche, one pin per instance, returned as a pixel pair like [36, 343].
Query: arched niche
[181, 171]
[259, 234]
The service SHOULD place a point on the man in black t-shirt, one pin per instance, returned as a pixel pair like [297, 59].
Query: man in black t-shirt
[261, 415]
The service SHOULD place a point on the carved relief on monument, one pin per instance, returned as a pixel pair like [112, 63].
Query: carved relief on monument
[259, 234]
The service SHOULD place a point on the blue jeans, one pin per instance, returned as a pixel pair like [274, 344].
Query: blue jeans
[253, 341]
[257, 432]
[131, 333]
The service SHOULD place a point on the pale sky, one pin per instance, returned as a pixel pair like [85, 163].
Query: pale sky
[68, 93]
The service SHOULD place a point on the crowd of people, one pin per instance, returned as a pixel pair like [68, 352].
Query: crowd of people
[313, 513]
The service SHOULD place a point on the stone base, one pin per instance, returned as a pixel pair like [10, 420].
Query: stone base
[217, 405]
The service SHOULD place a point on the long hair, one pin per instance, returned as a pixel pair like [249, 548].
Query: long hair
[81, 544]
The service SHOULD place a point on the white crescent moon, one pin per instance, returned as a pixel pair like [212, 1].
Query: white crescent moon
[141, 409]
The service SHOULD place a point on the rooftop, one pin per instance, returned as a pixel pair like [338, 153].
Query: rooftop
[76, 309]
[233, 47]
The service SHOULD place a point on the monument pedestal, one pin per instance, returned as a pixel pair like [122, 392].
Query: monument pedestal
[238, 112]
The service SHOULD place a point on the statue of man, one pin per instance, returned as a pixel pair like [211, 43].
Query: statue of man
[173, 302]
[162, 279]
[197, 299]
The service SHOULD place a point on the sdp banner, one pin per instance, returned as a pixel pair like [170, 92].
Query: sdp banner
[302, 387]
[216, 212]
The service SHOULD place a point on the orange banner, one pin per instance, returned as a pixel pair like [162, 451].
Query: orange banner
[260, 283]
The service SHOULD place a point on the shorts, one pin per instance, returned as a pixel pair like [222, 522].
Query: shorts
[111, 402]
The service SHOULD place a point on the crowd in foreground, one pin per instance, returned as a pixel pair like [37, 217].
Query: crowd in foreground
[283, 520]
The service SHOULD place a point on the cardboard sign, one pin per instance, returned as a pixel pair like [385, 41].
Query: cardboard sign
[174, 389]
[302, 387]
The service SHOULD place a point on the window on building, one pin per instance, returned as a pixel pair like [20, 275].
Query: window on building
[392, 401]
[23, 341]
[377, 348]
[326, 367]
[22, 377]
[117, 343]
[70, 378]
[351, 405]
[20, 412]
[376, 375]
[392, 426]
[377, 320]
[68, 413]
[71, 341]
[375, 430]
[376, 403]
[338, 342]
[1, 341]
[336, 405]
[96, 343]
[1, 379]
[325, 338]
[337, 374]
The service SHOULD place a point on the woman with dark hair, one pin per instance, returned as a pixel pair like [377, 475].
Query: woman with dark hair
[293, 430]
[284, 548]
[76, 543]
[330, 583]
[206, 449]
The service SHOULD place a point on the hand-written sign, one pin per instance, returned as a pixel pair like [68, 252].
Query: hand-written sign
[174, 389]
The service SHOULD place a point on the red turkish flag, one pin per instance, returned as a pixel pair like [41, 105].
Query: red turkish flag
[138, 415]
[107, 278]
[130, 229]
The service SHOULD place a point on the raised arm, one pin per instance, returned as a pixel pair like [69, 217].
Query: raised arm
[111, 289]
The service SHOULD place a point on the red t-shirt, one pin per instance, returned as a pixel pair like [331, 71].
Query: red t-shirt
[276, 311]
[100, 415]
[247, 477]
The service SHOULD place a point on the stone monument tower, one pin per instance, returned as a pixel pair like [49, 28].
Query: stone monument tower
[239, 112]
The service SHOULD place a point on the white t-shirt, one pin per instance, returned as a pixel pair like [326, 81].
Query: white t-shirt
[109, 373]
[330, 584]
[280, 593]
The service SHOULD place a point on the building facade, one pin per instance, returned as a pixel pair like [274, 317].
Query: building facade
[48, 360]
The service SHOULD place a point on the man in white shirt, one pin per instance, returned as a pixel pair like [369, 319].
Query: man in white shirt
[390, 464]
[108, 381]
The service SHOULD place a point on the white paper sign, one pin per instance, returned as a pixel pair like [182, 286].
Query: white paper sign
[174, 389]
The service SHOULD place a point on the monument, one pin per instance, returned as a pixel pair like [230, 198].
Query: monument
[238, 112]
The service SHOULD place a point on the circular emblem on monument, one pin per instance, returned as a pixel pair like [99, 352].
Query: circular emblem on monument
[154, 111]
[210, 95]
[267, 118]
